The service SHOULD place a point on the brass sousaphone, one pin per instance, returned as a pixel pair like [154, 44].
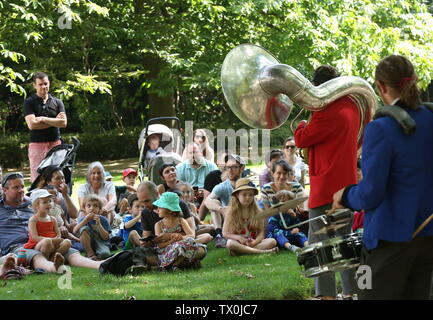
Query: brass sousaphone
[261, 92]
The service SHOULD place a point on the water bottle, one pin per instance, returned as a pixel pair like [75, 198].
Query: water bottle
[21, 257]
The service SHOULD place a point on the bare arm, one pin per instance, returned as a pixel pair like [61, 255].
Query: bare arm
[102, 232]
[59, 122]
[70, 206]
[186, 228]
[212, 203]
[227, 232]
[191, 224]
[35, 123]
[83, 223]
[132, 222]
[158, 229]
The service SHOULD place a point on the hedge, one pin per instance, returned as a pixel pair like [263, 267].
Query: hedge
[107, 146]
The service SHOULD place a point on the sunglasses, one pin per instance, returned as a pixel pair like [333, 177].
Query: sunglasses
[11, 176]
[290, 147]
[200, 137]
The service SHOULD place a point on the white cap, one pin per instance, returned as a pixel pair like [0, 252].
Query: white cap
[39, 193]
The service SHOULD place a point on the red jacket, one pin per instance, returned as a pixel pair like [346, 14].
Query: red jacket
[332, 141]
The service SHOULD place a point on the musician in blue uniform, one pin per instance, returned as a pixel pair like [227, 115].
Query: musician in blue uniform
[396, 191]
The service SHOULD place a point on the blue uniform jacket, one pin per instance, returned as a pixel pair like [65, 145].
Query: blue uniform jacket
[396, 191]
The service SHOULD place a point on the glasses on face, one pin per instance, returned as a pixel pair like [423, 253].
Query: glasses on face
[11, 176]
[232, 167]
[200, 137]
[290, 147]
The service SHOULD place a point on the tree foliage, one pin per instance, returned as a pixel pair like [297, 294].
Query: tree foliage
[116, 55]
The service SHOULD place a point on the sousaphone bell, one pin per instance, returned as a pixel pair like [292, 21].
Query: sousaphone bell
[261, 91]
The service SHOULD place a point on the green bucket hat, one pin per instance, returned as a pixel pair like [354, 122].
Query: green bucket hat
[169, 201]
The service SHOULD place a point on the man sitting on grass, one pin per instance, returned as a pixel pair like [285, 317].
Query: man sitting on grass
[15, 212]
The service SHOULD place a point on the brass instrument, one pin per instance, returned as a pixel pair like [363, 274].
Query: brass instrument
[261, 92]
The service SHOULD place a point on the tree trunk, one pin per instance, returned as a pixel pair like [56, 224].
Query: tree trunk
[160, 106]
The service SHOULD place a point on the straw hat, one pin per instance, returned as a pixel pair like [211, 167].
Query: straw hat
[169, 201]
[245, 184]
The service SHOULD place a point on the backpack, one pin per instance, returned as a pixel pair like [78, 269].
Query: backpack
[117, 264]
[123, 263]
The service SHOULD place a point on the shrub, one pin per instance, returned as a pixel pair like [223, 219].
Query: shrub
[13, 151]
[108, 146]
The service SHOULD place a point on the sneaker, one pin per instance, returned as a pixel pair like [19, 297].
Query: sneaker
[293, 248]
[220, 242]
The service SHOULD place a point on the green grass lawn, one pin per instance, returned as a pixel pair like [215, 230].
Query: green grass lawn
[222, 277]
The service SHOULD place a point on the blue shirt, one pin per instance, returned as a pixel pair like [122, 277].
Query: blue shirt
[92, 224]
[396, 190]
[195, 176]
[14, 224]
[223, 191]
[137, 227]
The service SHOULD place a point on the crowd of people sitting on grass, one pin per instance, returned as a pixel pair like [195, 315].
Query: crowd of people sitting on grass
[199, 202]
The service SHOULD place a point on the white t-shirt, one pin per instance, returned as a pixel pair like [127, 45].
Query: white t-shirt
[299, 167]
[106, 189]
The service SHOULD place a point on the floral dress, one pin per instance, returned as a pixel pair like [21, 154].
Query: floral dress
[186, 247]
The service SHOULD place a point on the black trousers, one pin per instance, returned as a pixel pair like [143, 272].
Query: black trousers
[399, 270]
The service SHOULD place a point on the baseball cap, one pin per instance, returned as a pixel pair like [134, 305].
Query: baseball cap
[128, 171]
[237, 158]
[39, 193]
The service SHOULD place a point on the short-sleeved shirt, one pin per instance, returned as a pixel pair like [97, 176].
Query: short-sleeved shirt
[267, 192]
[195, 176]
[224, 192]
[92, 224]
[14, 224]
[52, 107]
[106, 189]
[126, 231]
[150, 218]
[212, 179]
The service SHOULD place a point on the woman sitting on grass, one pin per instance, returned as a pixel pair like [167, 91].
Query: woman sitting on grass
[44, 234]
[245, 236]
[180, 249]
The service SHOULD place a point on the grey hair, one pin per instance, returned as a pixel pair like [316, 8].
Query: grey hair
[92, 166]
[150, 187]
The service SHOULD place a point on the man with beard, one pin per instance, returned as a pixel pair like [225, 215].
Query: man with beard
[195, 169]
[219, 199]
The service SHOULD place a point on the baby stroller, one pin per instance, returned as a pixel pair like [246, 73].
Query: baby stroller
[63, 156]
[170, 143]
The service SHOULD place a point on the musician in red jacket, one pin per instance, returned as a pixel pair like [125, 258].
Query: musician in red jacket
[331, 137]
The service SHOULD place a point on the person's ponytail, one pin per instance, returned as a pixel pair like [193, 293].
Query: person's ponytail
[410, 94]
[398, 73]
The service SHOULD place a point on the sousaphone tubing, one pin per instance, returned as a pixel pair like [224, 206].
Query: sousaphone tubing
[261, 91]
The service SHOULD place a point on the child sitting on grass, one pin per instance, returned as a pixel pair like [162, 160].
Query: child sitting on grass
[291, 239]
[203, 231]
[132, 229]
[44, 234]
[245, 236]
[181, 250]
[57, 212]
[129, 177]
[94, 229]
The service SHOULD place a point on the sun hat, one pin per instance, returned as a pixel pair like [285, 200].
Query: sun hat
[245, 184]
[128, 171]
[39, 193]
[169, 201]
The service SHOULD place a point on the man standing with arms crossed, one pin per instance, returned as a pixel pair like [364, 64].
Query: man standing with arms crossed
[44, 115]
